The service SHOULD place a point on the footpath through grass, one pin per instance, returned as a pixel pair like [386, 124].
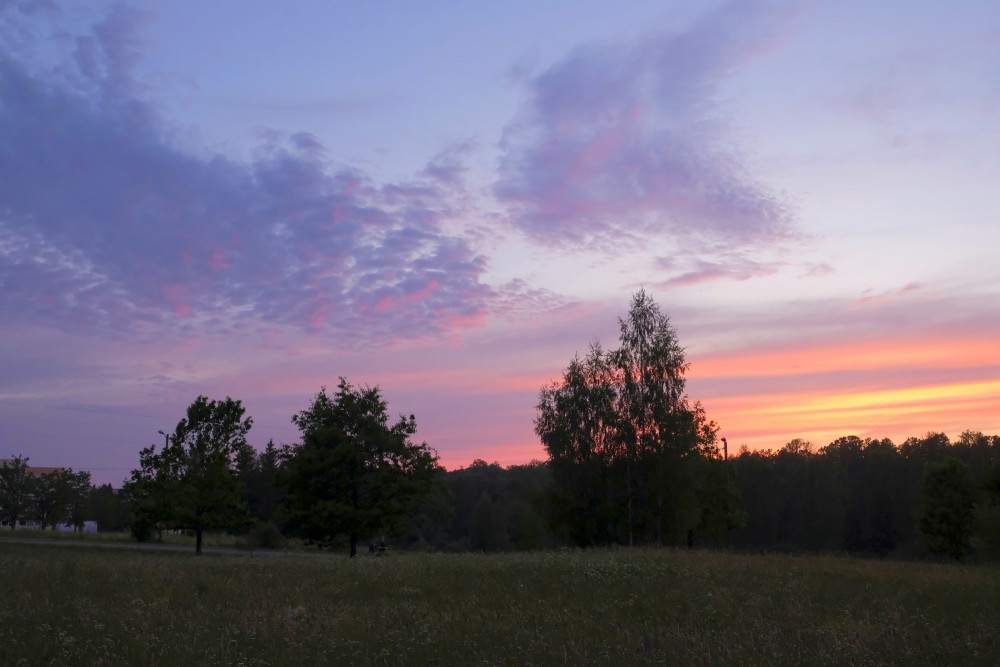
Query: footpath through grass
[74, 606]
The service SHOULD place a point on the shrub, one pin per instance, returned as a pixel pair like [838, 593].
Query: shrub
[265, 535]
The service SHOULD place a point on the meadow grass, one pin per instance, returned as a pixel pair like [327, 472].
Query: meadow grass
[76, 605]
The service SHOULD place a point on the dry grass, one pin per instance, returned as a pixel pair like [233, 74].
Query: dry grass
[72, 606]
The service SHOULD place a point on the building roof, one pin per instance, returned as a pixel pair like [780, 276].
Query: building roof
[33, 470]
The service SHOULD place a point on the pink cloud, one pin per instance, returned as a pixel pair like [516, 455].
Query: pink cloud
[623, 140]
[176, 296]
[695, 271]
[217, 260]
[882, 299]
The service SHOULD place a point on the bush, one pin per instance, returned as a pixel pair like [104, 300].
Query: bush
[141, 529]
[265, 535]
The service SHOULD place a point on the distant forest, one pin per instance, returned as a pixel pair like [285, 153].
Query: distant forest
[631, 461]
[858, 496]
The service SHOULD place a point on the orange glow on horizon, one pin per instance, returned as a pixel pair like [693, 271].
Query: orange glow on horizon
[769, 421]
[822, 406]
[866, 355]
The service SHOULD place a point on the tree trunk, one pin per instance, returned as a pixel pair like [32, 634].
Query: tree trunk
[197, 541]
[628, 481]
[659, 521]
[354, 504]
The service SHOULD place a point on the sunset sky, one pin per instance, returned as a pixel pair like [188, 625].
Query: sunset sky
[451, 199]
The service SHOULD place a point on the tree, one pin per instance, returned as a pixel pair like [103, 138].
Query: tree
[354, 475]
[107, 508]
[719, 497]
[262, 490]
[987, 535]
[623, 439]
[194, 482]
[16, 490]
[946, 516]
[78, 491]
[579, 427]
[60, 497]
[51, 498]
[488, 531]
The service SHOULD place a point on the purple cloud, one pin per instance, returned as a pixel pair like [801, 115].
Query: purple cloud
[695, 271]
[619, 141]
[107, 224]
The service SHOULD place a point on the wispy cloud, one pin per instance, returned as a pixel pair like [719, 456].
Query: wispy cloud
[107, 224]
[695, 271]
[624, 140]
[880, 299]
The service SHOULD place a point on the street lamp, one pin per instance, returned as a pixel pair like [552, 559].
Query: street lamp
[725, 450]
[166, 439]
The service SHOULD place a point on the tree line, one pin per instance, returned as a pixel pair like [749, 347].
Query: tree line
[57, 497]
[869, 496]
[866, 497]
[353, 475]
[631, 460]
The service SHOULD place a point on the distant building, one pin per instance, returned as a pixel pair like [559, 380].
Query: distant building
[88, 527]
[38, 471]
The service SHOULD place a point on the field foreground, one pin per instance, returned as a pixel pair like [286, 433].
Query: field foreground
[73, 606]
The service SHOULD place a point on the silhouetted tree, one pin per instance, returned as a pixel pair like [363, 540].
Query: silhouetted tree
[194, 482]
[661, 433]
[946, 516]
[622, 438]
[263, 491]
[78, 489]
[107, 508]
[354, 475]
[719, 498]
[16, 490]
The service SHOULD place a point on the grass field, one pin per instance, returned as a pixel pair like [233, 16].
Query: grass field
[70, 605]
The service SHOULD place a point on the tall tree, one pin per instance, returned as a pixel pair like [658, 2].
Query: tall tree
[194, 483]
[623, 438]
[262, 489]
[354, 475]
[578, 424]
[16, 490]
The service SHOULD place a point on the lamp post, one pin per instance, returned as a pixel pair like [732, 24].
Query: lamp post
[725, 450]
[166, 439]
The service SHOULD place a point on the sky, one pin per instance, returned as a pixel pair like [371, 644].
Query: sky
[449, 200]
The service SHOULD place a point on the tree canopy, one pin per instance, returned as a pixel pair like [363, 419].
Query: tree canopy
[354, 475]
[193, 483]
[15, 490]
[624, 442]
[947, 513]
